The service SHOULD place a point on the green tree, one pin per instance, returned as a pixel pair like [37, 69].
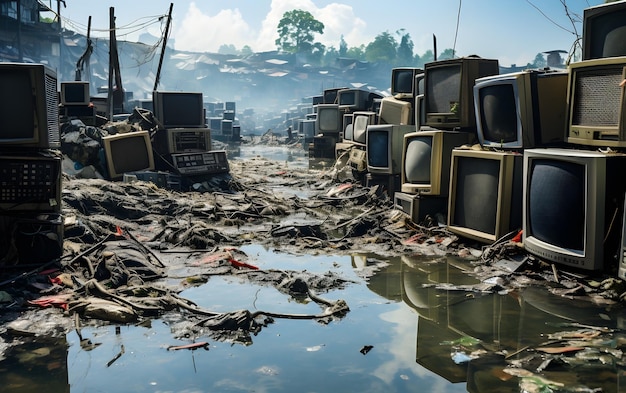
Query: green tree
[427, 57]
[383, 48]
[296, 31]
[405, 49]
[356, 52]
[447, 54]
[539, 61]
[227, 49]
[246, 50]
[343, 47]
[330, 56]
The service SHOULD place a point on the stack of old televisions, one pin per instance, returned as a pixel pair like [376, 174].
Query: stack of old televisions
[552, 155]
[75, 100]
[222, 120]
[383, 136]
[444, 120]
[183, 142]
[328, 124]
[581, 187]
[31, 222]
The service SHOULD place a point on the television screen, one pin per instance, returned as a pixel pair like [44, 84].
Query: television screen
[75, 93]
[449, 91]
[348, 133]
[29, 109]
[521, 110]
[384, 148]
[127, 152]
[426, 161]
[347, 97]
[330, 95]
[570, 202]
[596, 102]
[403, 82]
[498, 113]
[315, 100]
[351, 100]
[179, 109]
[394, 111]
[485, 201]
[308, 128]
[328, 120]
[348, 118]
[361, 121]
[604, 31]
[417, 159]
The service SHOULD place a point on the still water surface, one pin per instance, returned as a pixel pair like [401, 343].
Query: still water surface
[412, 327]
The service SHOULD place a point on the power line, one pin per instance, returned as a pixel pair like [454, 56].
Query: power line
[548, 18]
[458, 19]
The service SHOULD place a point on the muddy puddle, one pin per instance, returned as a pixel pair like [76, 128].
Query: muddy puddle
[409, 329]
[417, 321]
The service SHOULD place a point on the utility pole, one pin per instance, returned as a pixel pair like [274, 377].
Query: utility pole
[167, 29]
[111, 44]
[80, 64]
[20, 52]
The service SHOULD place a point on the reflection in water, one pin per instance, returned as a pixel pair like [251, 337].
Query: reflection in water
[37, 365]
[424, 339]
[473, 337]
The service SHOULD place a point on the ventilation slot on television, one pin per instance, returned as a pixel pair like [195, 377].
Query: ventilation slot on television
[30, 183]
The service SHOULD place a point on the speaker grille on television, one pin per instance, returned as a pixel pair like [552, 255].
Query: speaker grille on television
[602, 94]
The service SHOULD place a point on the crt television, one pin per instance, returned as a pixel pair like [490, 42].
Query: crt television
[572, 201]
[330, 95]
[29, 106]
[328, 120]
[596, 102]
[127, 152]
[180, 140]
[394, 111]
[485, 201]
[307, 128]
[178, 109]
[346, 126]
[448, 91]
[226, 127]
[426, 159]
[604, 31]
[351, 100]
[75, 93]
[359, 126]
[522, 109]
[404, 82]
[384, 148]
[419, 117]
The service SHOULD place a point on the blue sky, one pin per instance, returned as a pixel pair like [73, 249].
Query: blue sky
[512, 31]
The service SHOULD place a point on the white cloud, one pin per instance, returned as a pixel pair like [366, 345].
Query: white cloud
[200, 31]
[338, 20]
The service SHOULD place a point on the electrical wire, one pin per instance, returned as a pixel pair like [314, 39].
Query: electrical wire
[548, 18]
[456, 32]
[131, 26]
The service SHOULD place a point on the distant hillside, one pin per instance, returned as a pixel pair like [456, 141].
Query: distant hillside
[263, 81]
